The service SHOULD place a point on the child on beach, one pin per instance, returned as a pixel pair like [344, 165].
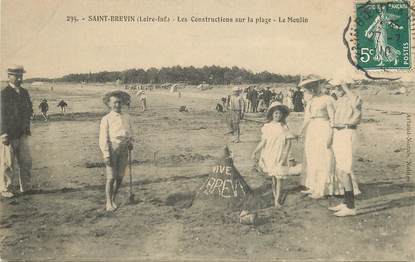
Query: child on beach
[116, 143]
[62, 106]
[275, 147]
[44, 108]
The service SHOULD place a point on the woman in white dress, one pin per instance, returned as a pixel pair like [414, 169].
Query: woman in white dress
[319, 157]
[275, 146]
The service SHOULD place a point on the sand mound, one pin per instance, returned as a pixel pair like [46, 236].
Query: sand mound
[225, 189]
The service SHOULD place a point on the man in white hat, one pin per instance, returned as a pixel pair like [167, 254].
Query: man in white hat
[236, 113]
[16, 112]
[348, 114]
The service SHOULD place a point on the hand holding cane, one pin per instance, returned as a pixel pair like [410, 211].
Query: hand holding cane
[131, 197]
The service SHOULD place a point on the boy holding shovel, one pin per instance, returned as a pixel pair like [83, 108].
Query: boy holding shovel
[116, 143]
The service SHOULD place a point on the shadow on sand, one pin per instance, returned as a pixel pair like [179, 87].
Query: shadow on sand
[79, 116]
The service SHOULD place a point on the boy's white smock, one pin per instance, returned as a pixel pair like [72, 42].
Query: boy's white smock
[115, 130]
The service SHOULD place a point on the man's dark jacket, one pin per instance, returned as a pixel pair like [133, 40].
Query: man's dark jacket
[16, 110]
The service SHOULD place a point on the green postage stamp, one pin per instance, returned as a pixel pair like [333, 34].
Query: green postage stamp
[383, 31]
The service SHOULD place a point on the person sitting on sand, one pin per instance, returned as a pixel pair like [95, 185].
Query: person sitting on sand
[219, 108]
[275, 148]
[44, 108]
[183, 109]
[62, 106]
[223, 99]
[115, 141]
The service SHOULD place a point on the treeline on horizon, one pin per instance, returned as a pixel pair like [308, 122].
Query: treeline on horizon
[176, 74]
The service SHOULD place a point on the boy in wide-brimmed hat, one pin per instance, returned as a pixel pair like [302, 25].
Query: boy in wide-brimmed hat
[115, 141]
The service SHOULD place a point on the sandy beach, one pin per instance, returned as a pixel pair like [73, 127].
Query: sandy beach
[64, 217]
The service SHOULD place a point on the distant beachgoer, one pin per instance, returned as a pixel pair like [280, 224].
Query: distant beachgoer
[275, 148]
[228, 101]
[262, 107]
[44, 108]
[267, 96]
[298, 100]
[62, 106]
[333, 94]
[116, 143]
[143, 101]
[288, 99]
[254, 100]
[279, 97]
[248, 98]
[236, 113]
[223, 99]
[183, 109]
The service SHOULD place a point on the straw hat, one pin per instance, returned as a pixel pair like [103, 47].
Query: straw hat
[283, 108]
[306, 82]
[16, 70]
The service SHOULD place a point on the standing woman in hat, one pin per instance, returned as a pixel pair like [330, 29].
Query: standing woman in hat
[275, 146]
[16, 111]
[318, 119]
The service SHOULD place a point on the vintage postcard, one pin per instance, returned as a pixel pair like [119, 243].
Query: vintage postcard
[183, 130]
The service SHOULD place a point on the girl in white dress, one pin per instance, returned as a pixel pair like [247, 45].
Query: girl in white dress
[275, 146]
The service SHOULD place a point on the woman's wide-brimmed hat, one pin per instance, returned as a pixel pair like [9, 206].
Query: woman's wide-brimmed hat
[306, 83]
[124, 96]
[282, 108]
[334, 83]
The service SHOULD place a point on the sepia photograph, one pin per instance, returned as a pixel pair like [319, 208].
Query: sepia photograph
[183, 130]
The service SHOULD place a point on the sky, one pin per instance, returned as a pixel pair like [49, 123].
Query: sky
[36, 34]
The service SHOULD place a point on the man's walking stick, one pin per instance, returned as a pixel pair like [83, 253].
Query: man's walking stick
[131, 197]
